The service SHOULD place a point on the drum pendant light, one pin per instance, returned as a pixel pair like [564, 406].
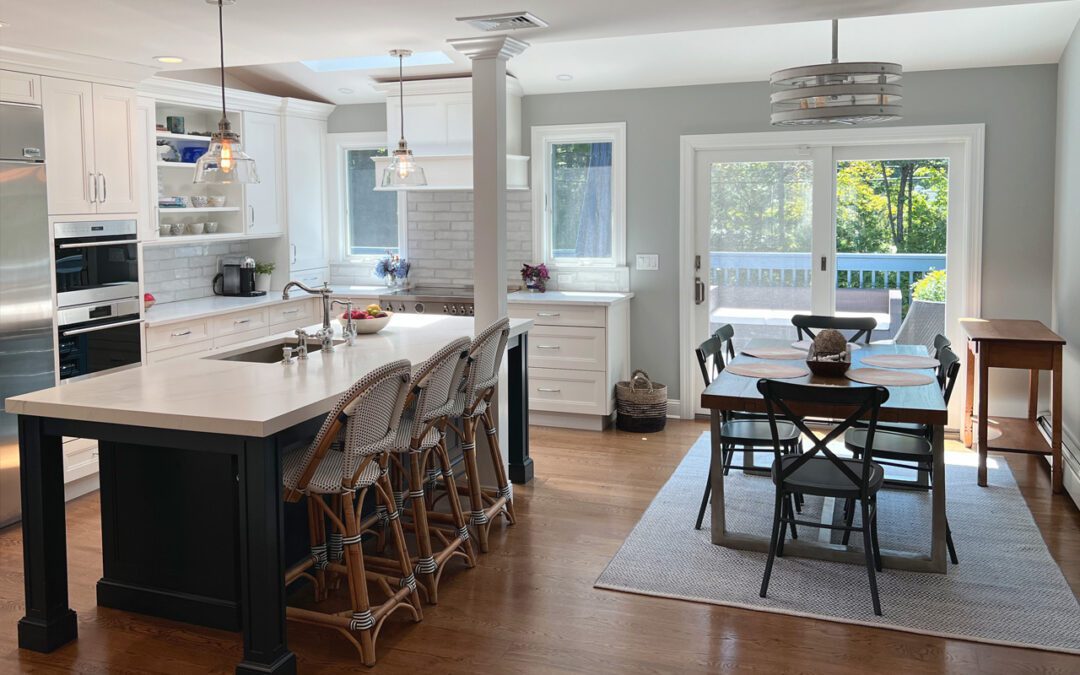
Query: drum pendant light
[403, 171]
[837, 93]
[225, 161]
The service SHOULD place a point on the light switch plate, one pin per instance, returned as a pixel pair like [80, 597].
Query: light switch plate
[648, 262]
[564, 279]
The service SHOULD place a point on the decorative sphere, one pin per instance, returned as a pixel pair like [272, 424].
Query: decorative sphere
[830, 342]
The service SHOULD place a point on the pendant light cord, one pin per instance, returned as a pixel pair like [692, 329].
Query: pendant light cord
[835, 40]
[221, 52]
[401, 91]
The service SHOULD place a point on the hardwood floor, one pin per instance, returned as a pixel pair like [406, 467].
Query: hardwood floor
[529, 606]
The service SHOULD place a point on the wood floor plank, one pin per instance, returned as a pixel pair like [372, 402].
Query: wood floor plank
[529, 606]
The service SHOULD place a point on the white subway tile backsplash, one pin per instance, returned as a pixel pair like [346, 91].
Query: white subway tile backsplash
[185, 272]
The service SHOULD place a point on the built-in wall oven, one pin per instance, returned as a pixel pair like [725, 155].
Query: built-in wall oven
[97, 296]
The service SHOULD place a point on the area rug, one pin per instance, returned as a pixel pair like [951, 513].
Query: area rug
[1007, 588]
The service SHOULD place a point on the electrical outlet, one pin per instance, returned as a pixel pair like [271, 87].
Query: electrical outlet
[648, 262]
[564, 279]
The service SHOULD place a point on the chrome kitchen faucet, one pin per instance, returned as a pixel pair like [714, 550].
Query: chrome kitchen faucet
[326, 334]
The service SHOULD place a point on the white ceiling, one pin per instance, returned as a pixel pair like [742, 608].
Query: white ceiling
[609, 44]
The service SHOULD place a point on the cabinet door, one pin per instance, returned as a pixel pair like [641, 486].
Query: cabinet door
[20, 87]
[67, 107]
[304, 141]
[262, 141]
[114, 149]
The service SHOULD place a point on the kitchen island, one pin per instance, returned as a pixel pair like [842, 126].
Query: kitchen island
[191, 493]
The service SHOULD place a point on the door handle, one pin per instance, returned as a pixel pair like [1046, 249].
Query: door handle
[92, 186]
[699, 291]
[104, 188]
[251, 210]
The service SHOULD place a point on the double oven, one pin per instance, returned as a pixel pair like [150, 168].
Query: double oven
[97, 296]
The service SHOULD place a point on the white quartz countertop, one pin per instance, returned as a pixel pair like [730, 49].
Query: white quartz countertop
[207, 394]
[569, 297]
[185, 310]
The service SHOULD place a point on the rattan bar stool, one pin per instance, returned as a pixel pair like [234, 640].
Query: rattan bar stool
[421, 442]
[348, 457]
[473, 408]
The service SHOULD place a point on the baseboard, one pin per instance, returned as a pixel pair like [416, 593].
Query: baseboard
[168, 604]
[81, 486]
[569, 420]
[674, 409]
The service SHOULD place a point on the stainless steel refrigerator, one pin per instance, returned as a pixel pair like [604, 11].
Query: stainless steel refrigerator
[26, 307]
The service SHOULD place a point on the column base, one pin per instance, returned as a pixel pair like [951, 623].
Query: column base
[521, 473]
[284, 665]
[40, 636]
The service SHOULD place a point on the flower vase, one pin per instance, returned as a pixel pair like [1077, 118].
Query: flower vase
[535, 285]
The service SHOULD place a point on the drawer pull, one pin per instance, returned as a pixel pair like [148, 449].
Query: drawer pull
[547, 346]
[182, 333]
[550, 390]
[240, 322]
[550, 315]
[290, 311]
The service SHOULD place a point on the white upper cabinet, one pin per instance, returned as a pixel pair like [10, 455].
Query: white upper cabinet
[305, 139]
[67, 107]
[262, 140]
[114, 148]
[20, 87]
[90, 147]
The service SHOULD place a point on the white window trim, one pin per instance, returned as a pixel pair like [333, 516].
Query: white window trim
[542, 139]
[338, 144]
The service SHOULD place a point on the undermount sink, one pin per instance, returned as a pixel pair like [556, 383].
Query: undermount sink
[271, 353]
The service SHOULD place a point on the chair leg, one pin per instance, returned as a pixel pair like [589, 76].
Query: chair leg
[728, 453]
[386, 492]
[478, 517]
[783, 527]
[704, 499]
[317, 541]
[426, 567]
[455, 504]
[791, 514]
[849, 518]
[362, 620]
[949, 543]
[874, 537]
[772, 542]
[871, 563]
[500, 469]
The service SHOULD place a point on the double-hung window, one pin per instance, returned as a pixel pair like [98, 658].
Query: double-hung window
[579, 194]
[372, 221]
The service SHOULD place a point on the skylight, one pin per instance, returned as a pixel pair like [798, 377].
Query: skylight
[376, 62]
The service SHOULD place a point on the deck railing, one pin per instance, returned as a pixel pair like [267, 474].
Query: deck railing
[854, 270]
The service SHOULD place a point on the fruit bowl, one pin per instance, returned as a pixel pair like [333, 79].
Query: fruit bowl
[369, 325]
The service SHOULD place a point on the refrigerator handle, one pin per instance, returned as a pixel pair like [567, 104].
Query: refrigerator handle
[93, 186]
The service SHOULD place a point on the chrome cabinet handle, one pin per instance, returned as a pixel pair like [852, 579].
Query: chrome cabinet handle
[552, 390]
[180, 334]
[240, 322]
[95, 244]
[104, 188]
[95, 329]
[548, 314]
[92, 185]
[290, 311]
[547, 346]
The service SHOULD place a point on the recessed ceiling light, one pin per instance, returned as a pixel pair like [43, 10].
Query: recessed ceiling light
[564, 77]
[4, 24]
[169, 59]
[345, 90]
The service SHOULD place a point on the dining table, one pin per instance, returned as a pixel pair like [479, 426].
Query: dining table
[919, 404]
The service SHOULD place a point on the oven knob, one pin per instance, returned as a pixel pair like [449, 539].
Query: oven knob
[401, 307]
[445, 310]
[470, 310]
[453, 309]
[419, 308]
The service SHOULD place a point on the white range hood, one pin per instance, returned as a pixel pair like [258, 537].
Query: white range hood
[438, 121]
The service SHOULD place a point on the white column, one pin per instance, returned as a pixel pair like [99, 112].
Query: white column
[489, 55]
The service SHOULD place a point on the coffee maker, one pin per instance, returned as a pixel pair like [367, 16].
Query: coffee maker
[237, 277]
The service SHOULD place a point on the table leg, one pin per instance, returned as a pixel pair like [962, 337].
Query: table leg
[716, 475]
[984, 408]
[519, 465]
[938, 546]
[1033, 394]
[262, 560]
[969, 399]
[49, 622]
[1058, 477]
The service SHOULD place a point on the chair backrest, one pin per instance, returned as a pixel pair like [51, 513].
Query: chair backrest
[806, 324]
[782, 401]
[940, 342]
[947, 371]
[710, 354]
[435, 383]
[485, 359]
[363, 422]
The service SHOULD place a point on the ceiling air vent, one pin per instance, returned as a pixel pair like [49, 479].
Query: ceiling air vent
[507, 21]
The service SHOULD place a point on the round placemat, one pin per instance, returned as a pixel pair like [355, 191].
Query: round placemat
[779, 353]
[771, 371]
[805, 345]
[888, 378]
[901, 361]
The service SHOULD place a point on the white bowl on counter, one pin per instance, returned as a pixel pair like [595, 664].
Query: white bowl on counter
[369, 326]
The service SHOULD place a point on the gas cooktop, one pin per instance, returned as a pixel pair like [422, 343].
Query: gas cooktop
[453, 300]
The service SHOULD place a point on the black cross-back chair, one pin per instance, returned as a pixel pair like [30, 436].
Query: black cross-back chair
[911, 448]
[806, 324]
[818, 471]
[737, 429]
[940, 342]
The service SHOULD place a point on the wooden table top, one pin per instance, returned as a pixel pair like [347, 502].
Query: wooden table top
[921, 404]
[1009, 330]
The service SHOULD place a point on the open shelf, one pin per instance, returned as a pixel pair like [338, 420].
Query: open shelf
[182, 165]
[194, 209]
[187, 239]
[181, 137]
[1018, 434]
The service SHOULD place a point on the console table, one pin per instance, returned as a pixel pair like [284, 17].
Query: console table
[1021, 344]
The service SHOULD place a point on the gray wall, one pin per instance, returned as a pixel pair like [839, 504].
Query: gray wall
[357, 117]
[1067, 239]
[1016, 104]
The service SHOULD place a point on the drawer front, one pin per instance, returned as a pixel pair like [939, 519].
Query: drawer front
[239, 322]
[175, 334]
[176, 352]
[571, 391]
[244, 336]
[559, 315]
[80, 458]
[294, 314]
[568, 347]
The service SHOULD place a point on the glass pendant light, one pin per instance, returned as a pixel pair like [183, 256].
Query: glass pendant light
[403, 171]
[225, 161]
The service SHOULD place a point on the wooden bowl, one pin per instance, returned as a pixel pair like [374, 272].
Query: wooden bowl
[828, 368]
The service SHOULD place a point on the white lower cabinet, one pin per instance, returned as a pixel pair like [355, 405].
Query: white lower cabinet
[576, 354]
[80, 466]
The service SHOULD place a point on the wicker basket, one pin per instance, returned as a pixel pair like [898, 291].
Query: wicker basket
[641, 404]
